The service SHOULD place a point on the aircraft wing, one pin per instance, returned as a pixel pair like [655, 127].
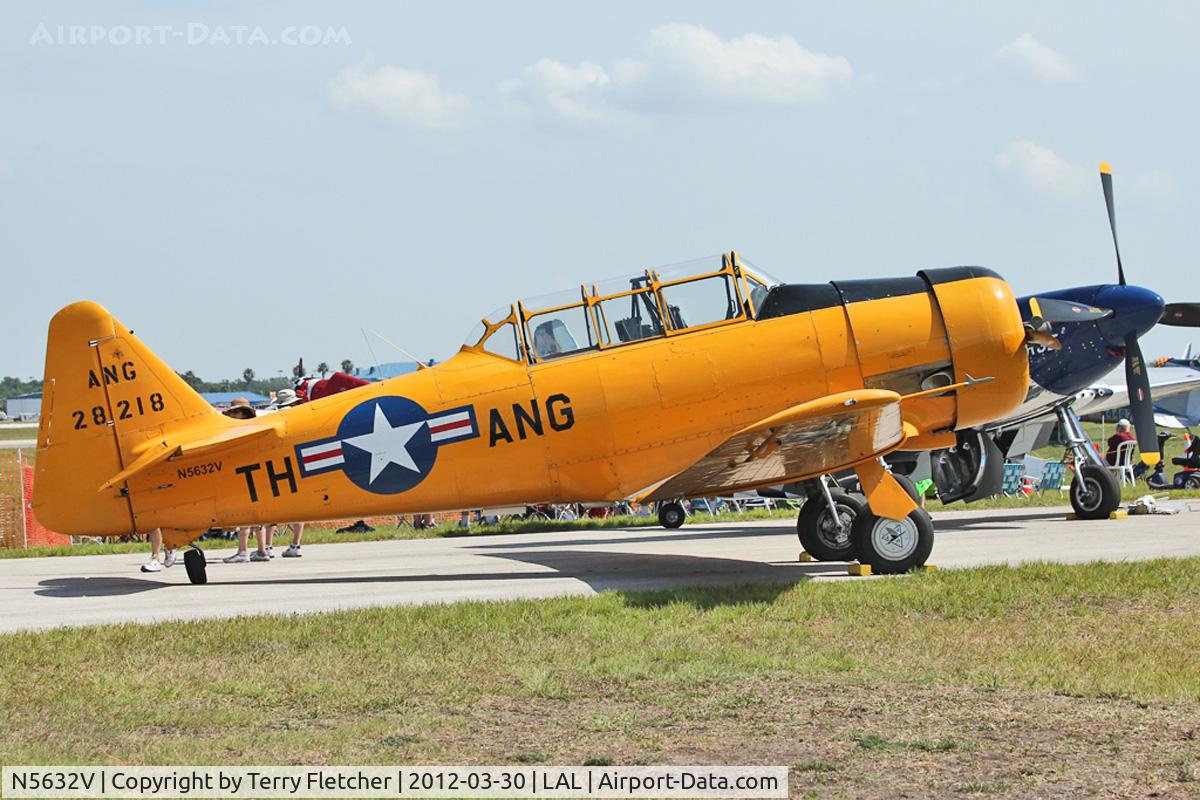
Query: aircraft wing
[809, 439]
[1177, 421]
[1164, 382]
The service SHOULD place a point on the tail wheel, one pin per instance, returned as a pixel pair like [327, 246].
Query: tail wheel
[671, 515]
[819, 533]
[890, 546]
[196, 564]
[1095, 492]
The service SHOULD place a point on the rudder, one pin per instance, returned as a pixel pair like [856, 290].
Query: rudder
[105, 398]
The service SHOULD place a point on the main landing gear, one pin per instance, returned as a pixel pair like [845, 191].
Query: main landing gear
[671, 514]
[1095, 492]
[834, 525]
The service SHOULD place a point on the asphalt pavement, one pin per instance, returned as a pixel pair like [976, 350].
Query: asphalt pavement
[87, 590]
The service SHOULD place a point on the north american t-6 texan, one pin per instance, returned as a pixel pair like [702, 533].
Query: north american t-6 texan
[692, 381]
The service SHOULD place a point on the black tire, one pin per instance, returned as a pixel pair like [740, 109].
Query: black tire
[196, 564]
[1192, 481]
[671, 515]
[1095, 492]
[890, 546]
[908, 485]
[818, 535]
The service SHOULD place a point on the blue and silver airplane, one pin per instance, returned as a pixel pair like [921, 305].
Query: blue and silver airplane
[1079, 335]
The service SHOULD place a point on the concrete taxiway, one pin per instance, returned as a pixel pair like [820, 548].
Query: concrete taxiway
[88, 590]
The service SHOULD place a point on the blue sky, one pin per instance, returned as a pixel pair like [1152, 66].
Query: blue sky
[243, 204]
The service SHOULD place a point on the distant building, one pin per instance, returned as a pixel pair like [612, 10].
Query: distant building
[29, 406]
[382, 372]
[223, 399]
[24, 406]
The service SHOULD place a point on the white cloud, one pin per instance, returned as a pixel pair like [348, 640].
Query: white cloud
[683, 60]
[577, 94]
[1041, 169]
[1036, 60]
[408, 97]
[752, 68]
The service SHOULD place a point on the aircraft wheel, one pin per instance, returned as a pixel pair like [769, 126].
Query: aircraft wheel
[819, 536]
[892, 545]
[1095, 492]
[907, 484]
[671, 515]
[196, 564]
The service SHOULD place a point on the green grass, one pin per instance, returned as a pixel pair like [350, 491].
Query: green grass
[622, 676]
[8, 432]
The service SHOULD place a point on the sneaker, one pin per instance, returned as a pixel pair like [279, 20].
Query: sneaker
[151, 566]
[270, 551]
[239, 557]
[293, 551]
[169, 559]
[259, 556]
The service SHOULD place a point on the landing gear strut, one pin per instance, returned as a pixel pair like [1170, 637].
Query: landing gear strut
[1095, 492]
[196, 564]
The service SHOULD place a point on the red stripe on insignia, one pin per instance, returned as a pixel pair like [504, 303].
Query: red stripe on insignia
[322, 456]
[450, 426]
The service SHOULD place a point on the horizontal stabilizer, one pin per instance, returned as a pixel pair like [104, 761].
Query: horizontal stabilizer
[203, 445]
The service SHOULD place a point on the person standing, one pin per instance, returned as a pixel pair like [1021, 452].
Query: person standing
[157, 562]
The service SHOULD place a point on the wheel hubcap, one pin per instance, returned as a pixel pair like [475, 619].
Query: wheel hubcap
[1089, 498]
[894, 539]
[829, 533]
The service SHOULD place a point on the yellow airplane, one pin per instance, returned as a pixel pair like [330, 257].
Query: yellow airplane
[693, 381]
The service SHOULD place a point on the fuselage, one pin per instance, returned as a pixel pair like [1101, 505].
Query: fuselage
[600, 423]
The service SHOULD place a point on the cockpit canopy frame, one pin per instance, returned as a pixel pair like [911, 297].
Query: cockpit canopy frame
[696, 296]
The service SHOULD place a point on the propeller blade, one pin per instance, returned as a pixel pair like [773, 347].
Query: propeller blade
[1106, 183]
[1055, 311]
[1140, 402]
[1182, 315]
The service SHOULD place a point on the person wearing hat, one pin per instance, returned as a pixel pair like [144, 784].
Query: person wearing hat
[284, 398]
[240, 408]
[1121, 435]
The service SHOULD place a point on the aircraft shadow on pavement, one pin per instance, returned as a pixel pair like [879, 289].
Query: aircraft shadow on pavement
[103, 586]
[701, 581]
[602, 571]
[616, 533]
[994, 522]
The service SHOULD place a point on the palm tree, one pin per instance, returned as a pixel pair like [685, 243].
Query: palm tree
[347, 365]
[247, 376]
[322, 368]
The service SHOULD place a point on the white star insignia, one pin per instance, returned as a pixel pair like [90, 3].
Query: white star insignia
[386, 444]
